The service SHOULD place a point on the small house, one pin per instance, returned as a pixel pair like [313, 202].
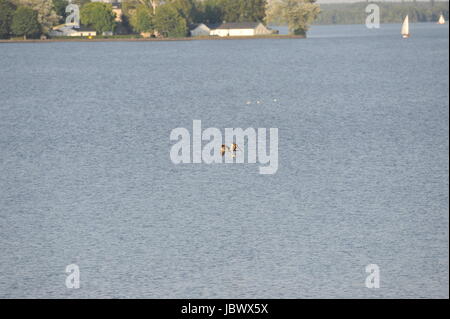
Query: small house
[199, 30]
[70, 31]
[84, 32]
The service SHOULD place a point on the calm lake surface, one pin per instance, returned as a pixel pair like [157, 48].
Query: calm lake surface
[86, 176]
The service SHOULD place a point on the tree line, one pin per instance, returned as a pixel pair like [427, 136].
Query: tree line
[418, 11]
[18, 20]
[31, 18]
[169, 18]
[173, 17]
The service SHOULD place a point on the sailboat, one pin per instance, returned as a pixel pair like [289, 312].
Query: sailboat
[405, 28]
[441, 19]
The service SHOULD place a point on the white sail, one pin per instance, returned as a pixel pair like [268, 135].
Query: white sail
[441, 19]
[405, 27]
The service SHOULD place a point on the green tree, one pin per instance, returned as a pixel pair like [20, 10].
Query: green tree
[253, 10]
[98, 15]
[209, 11]
[6, 16]
[150, 4]
[231, 10]
[142, 20]
[81, 3]
[129, 8]
[47, 16]
[129, 14]
[169, 22]
[186, 8]
[25, 23]
[298, 14]
[243, 10]
[60, 8]
[217, 11]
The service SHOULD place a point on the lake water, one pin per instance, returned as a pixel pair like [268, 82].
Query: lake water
[86, 176]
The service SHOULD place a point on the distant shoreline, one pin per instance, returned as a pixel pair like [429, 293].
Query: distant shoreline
[154, 39]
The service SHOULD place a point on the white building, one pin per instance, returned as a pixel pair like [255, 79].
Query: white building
[236, 29]
[241, 29]
[69, 31]
[199, 30]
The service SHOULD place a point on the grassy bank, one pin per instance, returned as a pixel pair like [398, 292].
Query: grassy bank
[139, 39]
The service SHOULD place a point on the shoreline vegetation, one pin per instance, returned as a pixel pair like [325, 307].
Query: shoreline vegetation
[390, 12]
[138, 38]
[44, 19]
[171, 20]
[142, 39]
